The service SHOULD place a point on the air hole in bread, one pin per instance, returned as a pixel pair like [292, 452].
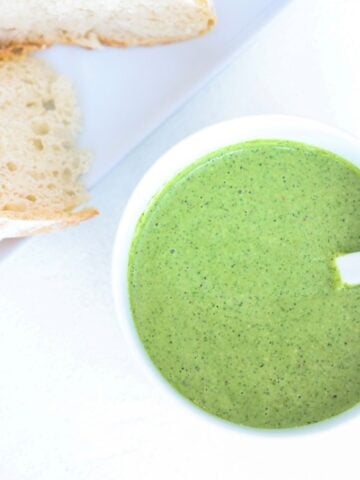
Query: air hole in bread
[38, 144]
[67, 173]
[49, 104]
[14, 207]
[11, 166]
[31, 198]
[41, 128]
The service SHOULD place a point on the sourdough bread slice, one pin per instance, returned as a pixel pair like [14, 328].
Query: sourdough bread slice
[31, 24]
[40, 165]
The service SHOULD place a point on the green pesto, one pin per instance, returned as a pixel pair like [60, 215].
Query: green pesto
[233, 287]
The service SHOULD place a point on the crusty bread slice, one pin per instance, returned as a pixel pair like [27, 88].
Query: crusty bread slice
[40, 165]
[31, 24]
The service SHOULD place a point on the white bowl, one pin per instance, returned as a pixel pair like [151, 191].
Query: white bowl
[175, 160]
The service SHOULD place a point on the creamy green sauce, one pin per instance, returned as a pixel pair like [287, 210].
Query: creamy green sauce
[233, 287]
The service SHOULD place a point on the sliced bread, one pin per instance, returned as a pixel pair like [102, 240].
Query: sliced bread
[40, 165]
[32, 24]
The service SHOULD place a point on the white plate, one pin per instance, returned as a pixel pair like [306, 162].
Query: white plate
[125, 93]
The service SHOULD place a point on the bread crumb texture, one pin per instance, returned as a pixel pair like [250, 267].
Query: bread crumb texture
[40, 165]
[28, 24]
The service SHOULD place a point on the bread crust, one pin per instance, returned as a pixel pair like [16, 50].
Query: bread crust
[31, 224]
[14, 50]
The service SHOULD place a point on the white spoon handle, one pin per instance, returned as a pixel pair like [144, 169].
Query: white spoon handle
[349, 268]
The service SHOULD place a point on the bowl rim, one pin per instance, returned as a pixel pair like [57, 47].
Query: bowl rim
[165, 168]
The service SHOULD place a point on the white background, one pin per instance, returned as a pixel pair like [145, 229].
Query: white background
[73, 404]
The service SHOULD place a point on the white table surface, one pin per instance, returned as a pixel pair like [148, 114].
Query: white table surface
[73, 404]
